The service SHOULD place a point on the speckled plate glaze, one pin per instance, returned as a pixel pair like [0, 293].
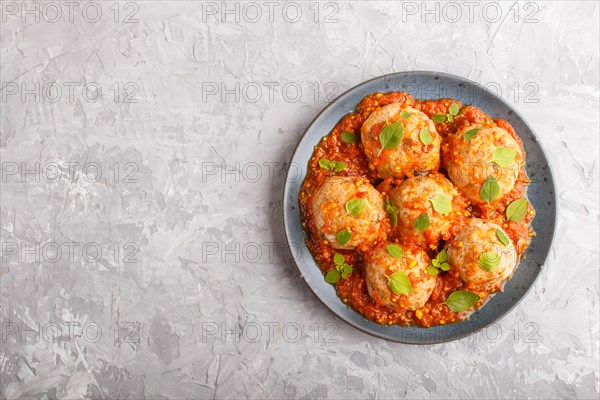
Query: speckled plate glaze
[541, 193]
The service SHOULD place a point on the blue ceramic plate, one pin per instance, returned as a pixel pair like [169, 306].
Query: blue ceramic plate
[541, 193]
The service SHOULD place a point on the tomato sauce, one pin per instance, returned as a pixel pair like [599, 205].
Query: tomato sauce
[353, 290]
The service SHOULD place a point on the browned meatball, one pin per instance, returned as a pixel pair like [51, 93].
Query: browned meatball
[411, 153]
[433, 195]
[478, 152]
[349, 204]
[479, 255]
[380, 265]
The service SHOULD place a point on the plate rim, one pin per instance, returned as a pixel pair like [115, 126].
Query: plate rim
[286, 217]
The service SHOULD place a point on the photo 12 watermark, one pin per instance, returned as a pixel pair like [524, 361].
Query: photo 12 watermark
[69, 92]
[519, 332]
[270, 332]
[250, 252]
[53, 12]
[515, 92]
[69, 252]
[269, 11]
[453, 12]
[251, 172]
[268, 92]
[69, 331]
[109, 172]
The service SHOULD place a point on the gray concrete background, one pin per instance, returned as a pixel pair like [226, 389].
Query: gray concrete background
[144, 148]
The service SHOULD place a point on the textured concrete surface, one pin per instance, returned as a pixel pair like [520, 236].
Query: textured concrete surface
[144, 148]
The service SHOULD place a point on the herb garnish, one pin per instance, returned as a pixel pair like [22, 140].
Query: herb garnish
[392, 212]
[394, 250]
[342, 270]
[452, 112]
[422, 222]
[343, 237]
[356, 206]
[490, 189]
[516, 210]
[470, 134]
[489, 260]
[399, 283]
[391, 136]
[335, 166]
[502, 237]
[503, 156]
[349, 137]
[461, 300]
[425, 136]
[441, 203]
[439, 263]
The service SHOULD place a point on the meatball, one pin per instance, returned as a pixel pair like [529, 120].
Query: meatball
[433, 195]
[477, 152]
[349, 204]
[380, 264]
[411, 154]
[479, 255]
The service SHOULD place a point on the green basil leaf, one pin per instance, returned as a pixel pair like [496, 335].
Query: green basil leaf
[442, 256]
[349, 137]
[392, 212]
[399, 283]
[441, 203]
[394, 250]
[503, 156]
[339, 259]
[502, 237]
[489, 190]
[355, 207]
[343, 237]
[439, 118]
[346, 270]
[433, 271]
[516, 210]
[461, 300]
[405, 114]
[391, 136]
[425, 137]
[338, 166]
[335, 166]
[439, 262]
[453, 110]
[489, 260]
[470, 134]
[333, 276]
[422, 222]
[325, 164]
